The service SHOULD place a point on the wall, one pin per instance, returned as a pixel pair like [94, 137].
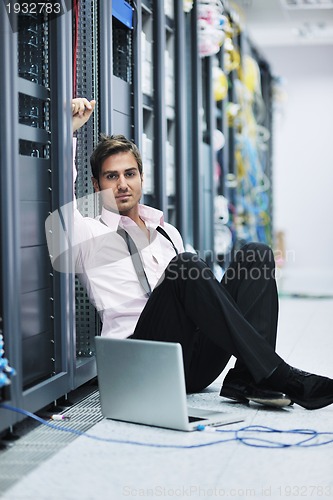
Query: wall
[303, 164]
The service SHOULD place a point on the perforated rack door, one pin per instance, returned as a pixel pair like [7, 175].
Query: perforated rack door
[122, 50]
[37, 284]
[87, 321]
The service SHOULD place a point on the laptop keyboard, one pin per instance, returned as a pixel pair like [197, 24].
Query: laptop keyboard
[195, 419]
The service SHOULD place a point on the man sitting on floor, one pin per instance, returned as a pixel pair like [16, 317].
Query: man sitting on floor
[145, 286]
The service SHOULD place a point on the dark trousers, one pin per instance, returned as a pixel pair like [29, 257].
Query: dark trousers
[213, 320]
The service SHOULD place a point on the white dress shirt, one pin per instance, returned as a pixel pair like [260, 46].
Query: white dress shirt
[104, 265]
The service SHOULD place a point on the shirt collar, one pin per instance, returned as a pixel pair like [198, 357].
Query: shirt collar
[150, 215]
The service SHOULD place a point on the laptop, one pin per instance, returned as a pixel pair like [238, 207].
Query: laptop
[142, 382]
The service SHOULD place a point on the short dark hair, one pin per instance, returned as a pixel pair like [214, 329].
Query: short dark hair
[111, 145]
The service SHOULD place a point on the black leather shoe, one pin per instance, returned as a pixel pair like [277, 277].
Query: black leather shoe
[309, 390]
[234, 390]
[245, 391]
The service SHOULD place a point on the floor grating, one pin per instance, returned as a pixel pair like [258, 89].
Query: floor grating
[27, 452]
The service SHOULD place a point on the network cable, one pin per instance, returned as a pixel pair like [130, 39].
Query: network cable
[250, 435]
[5, 370]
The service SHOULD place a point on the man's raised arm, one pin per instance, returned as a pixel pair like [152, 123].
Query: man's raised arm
[59, 230]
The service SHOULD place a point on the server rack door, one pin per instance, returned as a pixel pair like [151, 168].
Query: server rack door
[34, 305]
[86, 57]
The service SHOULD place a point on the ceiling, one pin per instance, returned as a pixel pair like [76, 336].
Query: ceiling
[286, 22]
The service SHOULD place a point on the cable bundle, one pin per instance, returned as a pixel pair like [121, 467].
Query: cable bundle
[211, 22]
[5, 370]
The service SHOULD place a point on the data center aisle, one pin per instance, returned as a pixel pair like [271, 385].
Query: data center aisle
[89, 469]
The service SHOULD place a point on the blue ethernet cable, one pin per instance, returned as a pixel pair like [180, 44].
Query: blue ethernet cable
[249, 435]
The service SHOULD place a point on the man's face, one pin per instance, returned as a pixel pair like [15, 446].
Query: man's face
[120, 183]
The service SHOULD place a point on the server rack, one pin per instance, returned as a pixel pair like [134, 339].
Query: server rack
[10, 278]
[35, 325]
[181, 123]
[231, 174]
[252, 142]
[208, 159]
[267, 83]
[249, 196]
[86, 63]
[224, 184]
[144, 104]
[195, 133]
[107, 75]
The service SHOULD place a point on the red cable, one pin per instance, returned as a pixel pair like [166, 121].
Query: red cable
[75, 42]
